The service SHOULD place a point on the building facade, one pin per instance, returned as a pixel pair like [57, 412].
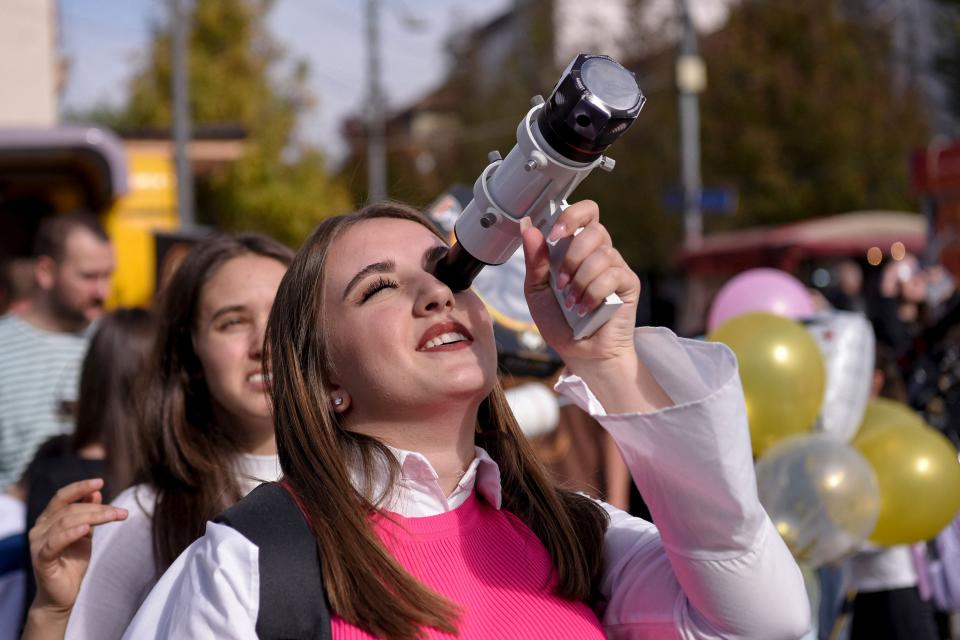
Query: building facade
[31, 68]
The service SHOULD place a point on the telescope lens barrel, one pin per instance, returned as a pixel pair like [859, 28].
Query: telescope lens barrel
[458, 268]
[593, 104]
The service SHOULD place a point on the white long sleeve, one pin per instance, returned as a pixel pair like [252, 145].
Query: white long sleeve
[121, 571]
[713, 567]
[210, 591]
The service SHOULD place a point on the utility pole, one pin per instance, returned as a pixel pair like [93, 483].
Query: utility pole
[180, 26]
[376, 146]
[691, 81]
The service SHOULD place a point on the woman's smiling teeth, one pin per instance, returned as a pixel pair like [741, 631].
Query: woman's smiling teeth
[258, 378]
[446, 338]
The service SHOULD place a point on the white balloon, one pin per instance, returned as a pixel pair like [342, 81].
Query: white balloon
[848, 345]
[820, 494]
[536, 408]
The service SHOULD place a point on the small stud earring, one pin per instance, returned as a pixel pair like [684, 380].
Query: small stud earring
[338, 401]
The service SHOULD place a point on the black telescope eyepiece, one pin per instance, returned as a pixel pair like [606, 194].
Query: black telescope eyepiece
[458, 268]
[593, 104]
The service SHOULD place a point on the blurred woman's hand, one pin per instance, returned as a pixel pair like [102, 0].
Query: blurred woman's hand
[60, 544]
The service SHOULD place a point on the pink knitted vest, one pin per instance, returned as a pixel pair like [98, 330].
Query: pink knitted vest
[491, 565]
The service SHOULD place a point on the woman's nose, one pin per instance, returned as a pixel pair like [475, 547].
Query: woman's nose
[434, 296]
[256, 340]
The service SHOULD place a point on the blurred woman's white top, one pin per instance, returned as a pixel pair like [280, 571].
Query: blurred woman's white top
[713, 567]
[882, 568]
[122, 569]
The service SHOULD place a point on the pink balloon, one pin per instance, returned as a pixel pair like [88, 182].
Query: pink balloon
[768, 290]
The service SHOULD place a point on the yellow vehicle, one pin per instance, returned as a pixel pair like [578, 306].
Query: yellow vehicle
[149, 206]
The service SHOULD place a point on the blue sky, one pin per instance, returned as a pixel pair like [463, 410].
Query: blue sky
[104, 40]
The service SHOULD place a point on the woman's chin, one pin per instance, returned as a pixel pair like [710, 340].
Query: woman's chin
[472, 393]
[257, 412]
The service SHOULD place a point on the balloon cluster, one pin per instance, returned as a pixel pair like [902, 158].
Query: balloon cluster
[834, 468]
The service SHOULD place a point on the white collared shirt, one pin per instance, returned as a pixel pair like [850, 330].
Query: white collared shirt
[713, 567]
[417, 493]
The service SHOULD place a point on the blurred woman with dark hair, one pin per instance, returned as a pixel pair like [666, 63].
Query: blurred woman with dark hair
[205, 433]
[102, 446]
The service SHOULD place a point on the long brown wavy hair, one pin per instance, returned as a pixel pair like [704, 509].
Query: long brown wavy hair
[186, 456]
[364, 583]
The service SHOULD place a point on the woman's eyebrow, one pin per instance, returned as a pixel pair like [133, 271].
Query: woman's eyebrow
[434, 253]
[386, 266]
[225, 310]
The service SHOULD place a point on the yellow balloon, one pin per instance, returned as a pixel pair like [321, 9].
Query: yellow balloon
[919, 477]
[782, 371]
[883, 412]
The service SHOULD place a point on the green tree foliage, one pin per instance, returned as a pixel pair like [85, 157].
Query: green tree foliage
[238, 74]
[803, 113]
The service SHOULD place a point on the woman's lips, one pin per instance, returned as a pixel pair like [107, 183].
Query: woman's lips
[259, 380]
[451, 346]
[445, 336]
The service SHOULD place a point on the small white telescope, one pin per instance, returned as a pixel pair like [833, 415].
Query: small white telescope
[559, 142]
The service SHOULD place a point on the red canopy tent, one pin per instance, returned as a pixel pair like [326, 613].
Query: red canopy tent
[785, 247]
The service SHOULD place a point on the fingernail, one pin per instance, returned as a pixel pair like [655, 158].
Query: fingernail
[557, 232]
[562, 281]
[568, 303]
[582, 309]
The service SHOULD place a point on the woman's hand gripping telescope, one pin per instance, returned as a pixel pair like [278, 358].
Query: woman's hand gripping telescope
[591, 270]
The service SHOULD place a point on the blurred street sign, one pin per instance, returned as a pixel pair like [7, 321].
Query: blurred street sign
[712, 200]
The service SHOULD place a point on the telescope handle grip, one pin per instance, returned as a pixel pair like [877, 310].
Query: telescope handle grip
[586, 325]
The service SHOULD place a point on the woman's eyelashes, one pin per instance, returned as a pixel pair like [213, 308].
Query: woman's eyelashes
[230, 323]
[376, 287]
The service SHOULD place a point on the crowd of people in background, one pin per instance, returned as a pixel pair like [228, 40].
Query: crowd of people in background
[915, 314]
[142, 426]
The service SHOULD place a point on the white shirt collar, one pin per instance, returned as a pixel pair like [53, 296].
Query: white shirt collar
[418, 494]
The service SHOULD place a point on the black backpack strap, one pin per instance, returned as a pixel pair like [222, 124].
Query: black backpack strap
[293, 602]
